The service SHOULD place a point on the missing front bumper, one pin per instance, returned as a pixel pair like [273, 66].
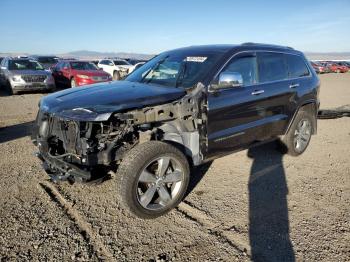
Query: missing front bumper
[59, 170]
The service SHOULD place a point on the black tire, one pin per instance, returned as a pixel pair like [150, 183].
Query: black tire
[288, 144]
[116, 75]
[72, 82]
[129, 172]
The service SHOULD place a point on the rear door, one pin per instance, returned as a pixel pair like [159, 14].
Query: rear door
[280, 93]
[301, 82]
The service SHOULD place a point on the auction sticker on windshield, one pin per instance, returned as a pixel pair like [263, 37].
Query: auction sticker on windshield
[198, 59]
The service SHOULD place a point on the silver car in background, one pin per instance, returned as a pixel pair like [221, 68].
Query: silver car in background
[23, 74]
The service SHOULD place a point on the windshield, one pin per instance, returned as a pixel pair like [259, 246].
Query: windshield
[120, 62]
[24, 65]
[175, 69]
[47, 60]
[83, 66]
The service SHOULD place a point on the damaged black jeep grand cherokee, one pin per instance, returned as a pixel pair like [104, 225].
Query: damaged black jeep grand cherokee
[182, 108]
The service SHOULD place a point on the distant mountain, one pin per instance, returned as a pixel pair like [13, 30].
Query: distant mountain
[86, 54]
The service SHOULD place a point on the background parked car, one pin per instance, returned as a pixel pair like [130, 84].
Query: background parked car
[77, 73]
[23, 74]
[136, 63]
[336, 68]
[118, 68]
[46, 61]
[346, 64]
[320, 68]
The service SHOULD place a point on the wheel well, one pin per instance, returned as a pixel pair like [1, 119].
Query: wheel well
[311, 108]
[182, 148]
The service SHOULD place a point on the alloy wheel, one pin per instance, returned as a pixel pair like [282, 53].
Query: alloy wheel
[159, 183]
[302, 135]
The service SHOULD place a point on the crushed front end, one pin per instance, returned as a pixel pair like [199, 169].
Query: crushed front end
[81, 145]
[80, 150]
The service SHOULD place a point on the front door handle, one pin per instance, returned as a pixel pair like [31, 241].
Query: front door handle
[294, 85]
[257, 92]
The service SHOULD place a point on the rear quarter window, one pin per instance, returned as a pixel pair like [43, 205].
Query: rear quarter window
[296, 66]
[272, 67]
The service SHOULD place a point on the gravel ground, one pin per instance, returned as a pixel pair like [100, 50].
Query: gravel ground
[253, 205]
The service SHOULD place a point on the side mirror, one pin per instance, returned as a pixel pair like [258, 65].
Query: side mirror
[230, 79]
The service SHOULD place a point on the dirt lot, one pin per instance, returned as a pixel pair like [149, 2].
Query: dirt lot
[254, 205]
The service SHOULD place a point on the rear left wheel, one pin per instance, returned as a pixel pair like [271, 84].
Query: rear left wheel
[298, 137]
[153, 179]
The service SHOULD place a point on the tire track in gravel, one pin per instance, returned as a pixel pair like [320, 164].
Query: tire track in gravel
[232, 238]
[93, 239]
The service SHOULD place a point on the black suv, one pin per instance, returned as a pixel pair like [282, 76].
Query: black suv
[182, 108]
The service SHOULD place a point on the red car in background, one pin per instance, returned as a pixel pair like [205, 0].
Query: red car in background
[337, 68]
[78, 73]
[319, 67]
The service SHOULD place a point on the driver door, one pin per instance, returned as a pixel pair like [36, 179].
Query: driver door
[235, 114]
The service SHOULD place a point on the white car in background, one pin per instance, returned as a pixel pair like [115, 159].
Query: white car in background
[118, 68]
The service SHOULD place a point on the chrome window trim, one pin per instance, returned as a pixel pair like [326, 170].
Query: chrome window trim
[269, 82]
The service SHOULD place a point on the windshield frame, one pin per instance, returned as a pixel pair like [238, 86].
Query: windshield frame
[211, 58]
[12, 62]
[118, 62]
[83, 69]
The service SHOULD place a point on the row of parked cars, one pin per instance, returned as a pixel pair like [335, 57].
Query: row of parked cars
[19, 74]
[23, 73]
[322, 67]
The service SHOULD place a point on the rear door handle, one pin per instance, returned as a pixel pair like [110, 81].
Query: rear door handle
[257, 92]
[294, 85]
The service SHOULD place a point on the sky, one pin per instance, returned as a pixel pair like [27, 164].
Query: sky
[140, 26]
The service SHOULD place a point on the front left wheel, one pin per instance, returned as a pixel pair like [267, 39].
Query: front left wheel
[153, 179]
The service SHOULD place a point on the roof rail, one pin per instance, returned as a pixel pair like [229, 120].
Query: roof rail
[271, 45]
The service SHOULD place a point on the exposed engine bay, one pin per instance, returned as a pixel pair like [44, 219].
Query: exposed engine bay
[82, 150]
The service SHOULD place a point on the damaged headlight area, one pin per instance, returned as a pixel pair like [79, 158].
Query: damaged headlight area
[77, 150]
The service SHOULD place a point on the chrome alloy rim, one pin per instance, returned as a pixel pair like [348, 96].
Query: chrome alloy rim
[302, 135]
[159, 183]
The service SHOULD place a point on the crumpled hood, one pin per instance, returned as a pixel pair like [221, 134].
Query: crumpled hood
[97, 102]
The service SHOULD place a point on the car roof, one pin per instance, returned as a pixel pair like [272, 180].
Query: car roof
[237, 47]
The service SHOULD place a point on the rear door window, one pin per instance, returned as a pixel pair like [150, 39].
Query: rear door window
[272, 67]
[296, 66]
